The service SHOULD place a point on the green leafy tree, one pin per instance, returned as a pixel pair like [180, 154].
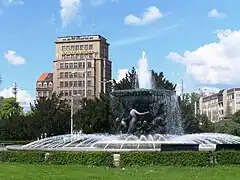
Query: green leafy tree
[94, 115]
[9, 107]
[50, 115]
[131, 81]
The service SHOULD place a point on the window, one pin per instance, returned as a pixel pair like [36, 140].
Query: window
[66, 83]
[72, 56]
[89, 64]
[39, 84]
[89, 83]
[77, 47]
[70, 92]
[75, 74]
[61, 83]
[68, 56]
[66, 75]
[66, 65]
[86, 47]
[50, 84]
[63, 48]
[89, 92]
[89, 73]
[68, 48]
[75, 83]
[74, 92]
[80, 92]
[80, 83]
[70, 65]
[78, 56]
[61, 92]
[90, 47]
[66, 93]
[61, 74]
[70, 75]
[72, 48]
[90, 56]
[83, 64]
[81, 56]
[70, 83]
[61, 65]
[39, 93]
[80, 65]
[75, 65]
[81, 47]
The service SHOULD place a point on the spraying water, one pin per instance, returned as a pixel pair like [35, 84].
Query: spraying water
[144, 75]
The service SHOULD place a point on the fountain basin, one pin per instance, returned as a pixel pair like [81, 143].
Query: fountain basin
[126, 143]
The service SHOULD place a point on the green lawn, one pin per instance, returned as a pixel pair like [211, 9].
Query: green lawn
[52, 172]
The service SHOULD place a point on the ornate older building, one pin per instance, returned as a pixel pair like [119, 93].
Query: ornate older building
[44, 85]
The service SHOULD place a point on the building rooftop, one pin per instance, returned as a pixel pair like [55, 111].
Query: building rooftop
[46, 76]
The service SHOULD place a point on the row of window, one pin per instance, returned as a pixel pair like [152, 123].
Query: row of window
[75, 65]
[77, 47]
[45, 84]
[76, 92]
[75, 74]
[77, 56]
[75, 83]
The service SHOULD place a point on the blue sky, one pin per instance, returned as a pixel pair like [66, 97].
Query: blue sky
[196, 40]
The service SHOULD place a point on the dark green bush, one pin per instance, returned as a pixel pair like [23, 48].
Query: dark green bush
[29, 157]
[83, 158]
[181, 158]
[228, 157]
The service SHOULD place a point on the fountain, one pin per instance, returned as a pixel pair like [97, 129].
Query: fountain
[146, 119]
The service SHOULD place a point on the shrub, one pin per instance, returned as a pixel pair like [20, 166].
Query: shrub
[83, 158]
[29, 157]
[228, 157]
[180, 158]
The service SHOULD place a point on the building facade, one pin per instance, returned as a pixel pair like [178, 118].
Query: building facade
[44, 85]
[82, 67]
[220, 105]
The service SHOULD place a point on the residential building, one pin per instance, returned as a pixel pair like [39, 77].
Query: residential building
[44, 85]
[220, 105]
[82, 67]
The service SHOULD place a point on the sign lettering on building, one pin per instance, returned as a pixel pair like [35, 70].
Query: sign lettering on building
[78, 52]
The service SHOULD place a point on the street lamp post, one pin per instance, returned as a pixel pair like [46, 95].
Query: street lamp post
[104, 84]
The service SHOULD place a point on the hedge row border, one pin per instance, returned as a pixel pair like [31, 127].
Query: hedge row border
[107, 159]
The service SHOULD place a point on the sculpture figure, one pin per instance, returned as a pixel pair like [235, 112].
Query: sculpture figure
[133, 115]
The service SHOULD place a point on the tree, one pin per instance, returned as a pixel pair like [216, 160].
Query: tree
[9, 107]
[161, 82]
[50, 115]
[131, 81]
[94, 115]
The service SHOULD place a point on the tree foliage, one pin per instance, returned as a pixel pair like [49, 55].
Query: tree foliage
[130, 81]
[9, 107]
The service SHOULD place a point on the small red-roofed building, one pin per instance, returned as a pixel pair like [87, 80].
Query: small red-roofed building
[44, 85]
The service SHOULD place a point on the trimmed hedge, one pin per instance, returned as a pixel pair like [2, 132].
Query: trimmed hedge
[58, 158]
[228, 157]
[173, 158]
[83, 158]
[29, 157]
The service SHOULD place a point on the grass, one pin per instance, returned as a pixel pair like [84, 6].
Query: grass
[72, 172]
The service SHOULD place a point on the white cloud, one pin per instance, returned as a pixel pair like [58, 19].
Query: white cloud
[214, 13]
[13, 58]
[214, 63]
[121, 74]
[23, 97]
[12, 2]
[69, 10]
[132, 40]
[150, 15]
